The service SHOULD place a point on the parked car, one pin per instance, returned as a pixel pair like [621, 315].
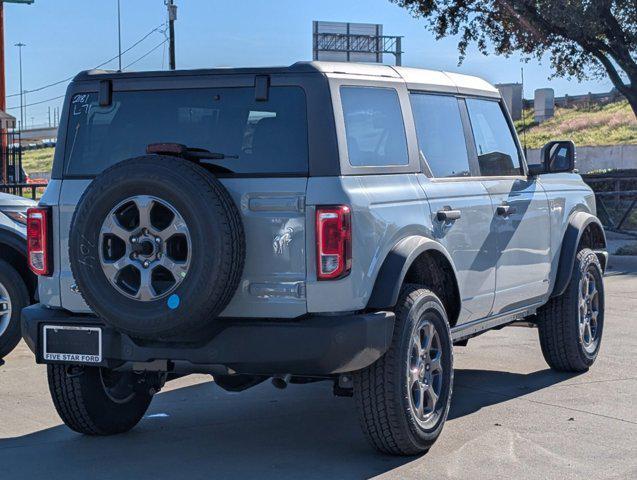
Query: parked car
[17, 283]
[336, 222]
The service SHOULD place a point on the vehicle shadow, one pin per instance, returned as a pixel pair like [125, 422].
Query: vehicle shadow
[476, 389]
[200, 431]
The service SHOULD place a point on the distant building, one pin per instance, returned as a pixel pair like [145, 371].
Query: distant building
[544, 104]
[512, 96]
[6, 121]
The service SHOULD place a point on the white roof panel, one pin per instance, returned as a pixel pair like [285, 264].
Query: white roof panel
[469, 85]
[416, 78]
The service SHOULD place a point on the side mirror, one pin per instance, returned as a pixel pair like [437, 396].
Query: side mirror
[557, 156]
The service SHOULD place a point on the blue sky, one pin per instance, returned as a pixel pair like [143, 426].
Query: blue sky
[66, 36]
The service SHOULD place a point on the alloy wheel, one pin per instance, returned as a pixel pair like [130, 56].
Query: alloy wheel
[588, 312]
[5, 309]
[145, 248]
[425, 373]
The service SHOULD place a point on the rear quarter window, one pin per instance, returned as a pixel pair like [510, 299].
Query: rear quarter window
[374, 127]
[267, 137]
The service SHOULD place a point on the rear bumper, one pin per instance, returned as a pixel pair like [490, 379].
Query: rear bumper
[318, 345]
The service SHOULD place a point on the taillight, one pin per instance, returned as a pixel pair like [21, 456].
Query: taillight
[38, 241]
[333, 242]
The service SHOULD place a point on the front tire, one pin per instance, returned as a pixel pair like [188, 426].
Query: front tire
[403, 398]
[14, 296]
[571, 325]
[98, 401]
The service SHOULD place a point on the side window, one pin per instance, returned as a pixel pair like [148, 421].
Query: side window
[497, 152]
[374, 127]
[440, 134]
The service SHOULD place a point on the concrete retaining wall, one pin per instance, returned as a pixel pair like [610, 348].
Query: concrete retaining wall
[598, 158]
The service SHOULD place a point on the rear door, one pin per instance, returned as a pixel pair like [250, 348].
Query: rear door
[267, 139]
[520, 222]
[454, 190]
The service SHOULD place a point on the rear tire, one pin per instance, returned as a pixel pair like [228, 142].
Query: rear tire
[389, 392]
[14, 296]
[571, 325]
[97, 401]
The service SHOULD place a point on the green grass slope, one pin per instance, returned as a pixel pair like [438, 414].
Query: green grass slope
[39, 160]
[610, 124]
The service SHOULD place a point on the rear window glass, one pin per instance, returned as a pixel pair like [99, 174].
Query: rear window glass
[267, 137]
[440, 134]
[374, 127]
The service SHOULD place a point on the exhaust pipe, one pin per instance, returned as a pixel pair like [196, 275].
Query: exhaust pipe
[281, 381]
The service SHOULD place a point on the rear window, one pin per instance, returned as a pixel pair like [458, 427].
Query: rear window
[267, 137]
[441, 134]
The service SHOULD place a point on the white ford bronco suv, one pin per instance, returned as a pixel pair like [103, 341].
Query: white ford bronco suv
[323, 221]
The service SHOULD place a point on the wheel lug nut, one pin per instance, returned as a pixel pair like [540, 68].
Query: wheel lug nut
[157, 240]
[133, 240]
[146, 264]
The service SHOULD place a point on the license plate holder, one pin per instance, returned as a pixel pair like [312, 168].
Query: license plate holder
[72, 344]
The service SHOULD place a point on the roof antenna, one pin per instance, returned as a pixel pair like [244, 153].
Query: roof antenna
[523, 117]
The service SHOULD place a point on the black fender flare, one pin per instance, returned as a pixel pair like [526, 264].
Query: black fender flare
[13, 240]
[578, 222]
[395, 267]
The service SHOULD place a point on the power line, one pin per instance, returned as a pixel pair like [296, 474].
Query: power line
[37, 103]
[146, 54]
[130, 64]
[156, 29]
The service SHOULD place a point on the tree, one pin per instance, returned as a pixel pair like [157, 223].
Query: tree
[583, 38]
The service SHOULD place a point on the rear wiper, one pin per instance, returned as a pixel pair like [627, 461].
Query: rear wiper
[183, 151]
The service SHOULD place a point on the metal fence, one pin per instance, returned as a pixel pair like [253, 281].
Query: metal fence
[11, 158]
[13, 178]
[616, 195]
[33, 190]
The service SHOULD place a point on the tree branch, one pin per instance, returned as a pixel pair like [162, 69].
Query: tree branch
[614, 75]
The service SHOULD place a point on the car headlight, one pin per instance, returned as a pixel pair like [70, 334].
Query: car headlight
[17, 215]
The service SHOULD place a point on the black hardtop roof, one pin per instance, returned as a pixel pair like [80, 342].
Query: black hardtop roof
[296, 68]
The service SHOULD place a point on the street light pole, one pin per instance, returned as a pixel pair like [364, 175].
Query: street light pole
[119, 37]
[22, 108]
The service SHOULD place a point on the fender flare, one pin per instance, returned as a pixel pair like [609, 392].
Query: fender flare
[13, 240]
[578, 222]
[395, 267]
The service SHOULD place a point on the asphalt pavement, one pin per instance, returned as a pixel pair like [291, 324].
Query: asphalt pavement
[511, 418]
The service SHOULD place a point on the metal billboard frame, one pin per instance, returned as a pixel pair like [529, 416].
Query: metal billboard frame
[349, 43]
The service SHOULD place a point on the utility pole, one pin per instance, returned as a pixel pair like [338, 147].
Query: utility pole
[3, 92]
[119, 37]
[4, 136]
[172, 16]
[22, 109]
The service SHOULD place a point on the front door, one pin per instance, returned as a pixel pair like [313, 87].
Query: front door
[522, 231]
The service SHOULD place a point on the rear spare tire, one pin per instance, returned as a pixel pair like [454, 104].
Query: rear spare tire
[157, 247]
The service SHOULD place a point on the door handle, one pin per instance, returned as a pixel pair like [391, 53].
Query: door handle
[505, 210]
[448, 215]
